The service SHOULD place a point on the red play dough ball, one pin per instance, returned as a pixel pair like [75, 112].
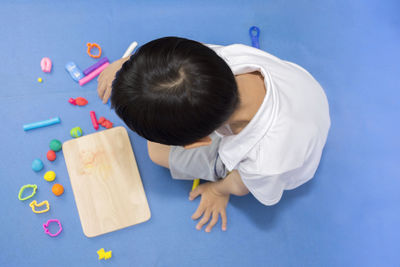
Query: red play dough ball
[51, 155]
[57, 189]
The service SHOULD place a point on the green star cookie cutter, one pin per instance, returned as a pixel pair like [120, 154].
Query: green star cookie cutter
[33, 186]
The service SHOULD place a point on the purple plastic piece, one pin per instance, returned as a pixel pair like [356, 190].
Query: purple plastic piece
[95, 66]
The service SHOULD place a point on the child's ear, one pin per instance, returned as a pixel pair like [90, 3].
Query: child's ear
[205, 141]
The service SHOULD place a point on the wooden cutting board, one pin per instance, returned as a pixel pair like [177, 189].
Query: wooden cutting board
[106, 182]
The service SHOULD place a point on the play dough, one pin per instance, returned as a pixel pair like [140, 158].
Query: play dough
[55, 145]
[57, 189]
[49, 176]
[37, 165]
[51, 155]
[76, 132]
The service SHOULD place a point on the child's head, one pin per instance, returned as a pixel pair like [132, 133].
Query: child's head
[174, 91]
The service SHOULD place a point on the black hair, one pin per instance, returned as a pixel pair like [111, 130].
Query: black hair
[174, 91]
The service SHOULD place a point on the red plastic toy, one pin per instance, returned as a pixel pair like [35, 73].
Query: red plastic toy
[80, 101]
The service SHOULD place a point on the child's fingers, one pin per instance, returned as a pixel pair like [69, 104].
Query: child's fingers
[224, 220]
[100, 89]
[195, 193]
[198, 213]
[203, 220]
[107, 94]
[213, 221]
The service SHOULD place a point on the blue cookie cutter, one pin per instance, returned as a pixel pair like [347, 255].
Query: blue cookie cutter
[254, 35]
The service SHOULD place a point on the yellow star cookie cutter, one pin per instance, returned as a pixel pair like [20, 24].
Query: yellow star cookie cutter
[103, 254]
[34, 205]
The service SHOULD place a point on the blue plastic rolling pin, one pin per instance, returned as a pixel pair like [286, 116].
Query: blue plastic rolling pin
[40, 124]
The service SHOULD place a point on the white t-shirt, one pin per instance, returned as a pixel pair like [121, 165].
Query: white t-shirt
[281, 147]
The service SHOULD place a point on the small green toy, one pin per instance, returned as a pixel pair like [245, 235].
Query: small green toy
[55, 145]
[76, 132]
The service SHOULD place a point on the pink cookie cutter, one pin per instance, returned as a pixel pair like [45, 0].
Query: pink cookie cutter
[45, 64]
[46, 227]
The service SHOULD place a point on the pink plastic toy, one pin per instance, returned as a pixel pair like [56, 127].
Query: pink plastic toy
[46, 227]
[72, 101]
[45, 64]
[93, 74]
[94, 120]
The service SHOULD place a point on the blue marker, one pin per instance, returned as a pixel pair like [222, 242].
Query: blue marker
[255, 37]
[40, 124]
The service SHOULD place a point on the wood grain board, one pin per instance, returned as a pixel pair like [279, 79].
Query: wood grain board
[105, 181]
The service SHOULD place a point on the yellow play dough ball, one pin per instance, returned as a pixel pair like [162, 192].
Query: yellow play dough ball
[40, 80]
[50, 176]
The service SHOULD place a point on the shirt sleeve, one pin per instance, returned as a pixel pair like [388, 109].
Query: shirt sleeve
[268, 188]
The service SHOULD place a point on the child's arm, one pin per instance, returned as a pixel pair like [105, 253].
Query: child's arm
[232, 184]
[106, 78]
[214, 198]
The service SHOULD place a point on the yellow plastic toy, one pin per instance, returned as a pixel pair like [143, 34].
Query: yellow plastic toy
[49, 176]
[196, 182]
[34, 205]
[103, 254]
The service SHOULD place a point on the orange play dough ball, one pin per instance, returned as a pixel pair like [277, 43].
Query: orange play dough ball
[57, 189]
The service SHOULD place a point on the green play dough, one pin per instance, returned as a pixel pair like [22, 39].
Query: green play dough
[55, 145]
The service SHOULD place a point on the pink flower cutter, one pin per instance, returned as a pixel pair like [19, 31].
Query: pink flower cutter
[46, 227]
[45, 64]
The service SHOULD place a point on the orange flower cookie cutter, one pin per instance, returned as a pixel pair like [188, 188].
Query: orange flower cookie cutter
[90, 46]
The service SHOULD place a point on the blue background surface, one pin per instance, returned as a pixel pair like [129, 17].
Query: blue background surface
[348, 215]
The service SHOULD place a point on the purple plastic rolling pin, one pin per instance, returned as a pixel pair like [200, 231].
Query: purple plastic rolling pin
[95, 66]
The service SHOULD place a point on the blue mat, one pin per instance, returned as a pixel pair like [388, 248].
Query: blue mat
[348, 215]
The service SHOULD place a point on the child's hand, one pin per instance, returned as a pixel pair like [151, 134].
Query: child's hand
[106, 78]
[212, 204]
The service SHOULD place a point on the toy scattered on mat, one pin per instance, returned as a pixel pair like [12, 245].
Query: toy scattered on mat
[49, 176]
[94, 120]
[45, 64]
[74, 71]
[51, 155]
[55, 145]
[34, 205]
[196, 182]
[130, 49]
[40, 79]
[89, 50]
[57, 189]
[80, 101]
[93, 74]
[103, 254]
[40, 124]
[95, 65]
[105, 123]
[76, 132]
[37, 165]
[21, 191]
[46, 227]
[254, 35]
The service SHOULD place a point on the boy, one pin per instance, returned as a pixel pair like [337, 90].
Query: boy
[214, 112]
